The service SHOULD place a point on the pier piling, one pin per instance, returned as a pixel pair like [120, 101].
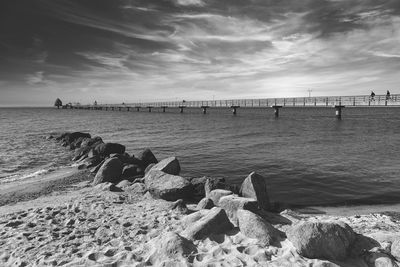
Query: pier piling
[181, 109]
[276, 110]
[204, 109]
[234, 109]
[338, 111]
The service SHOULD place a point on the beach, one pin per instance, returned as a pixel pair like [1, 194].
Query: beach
[65, 220]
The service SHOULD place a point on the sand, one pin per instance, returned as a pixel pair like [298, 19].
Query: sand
[86, 226]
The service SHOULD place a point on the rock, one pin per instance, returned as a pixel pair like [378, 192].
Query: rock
[147, 157]
[378, 259]
[148, 168]
[170, 246]
[395, 249]
[214, 222]
[166, 186]
[205, 203]
[232, 203]
[68, 138]
[91, 162]
[107, 187]
[105, 149]
[96, 168]
[253, 226]
[180, 206]
[322, 240]
[110, 171]
[91, 142]
[124, 158]
[169, 165]
[86, 146]
[129, 171]
[211, 184]
[124, 183]
[194, 217]
[137, 188]
[216, 194]
[361, 244]
[254, 186]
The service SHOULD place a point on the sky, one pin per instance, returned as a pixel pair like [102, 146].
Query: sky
[116, 51]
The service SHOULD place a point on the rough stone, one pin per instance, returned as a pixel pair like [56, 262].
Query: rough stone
[147, 157]
[170, 246]
[124, 183]
[211, 184]
[232, 203]
[136, 188]
[105, 149]
[107, 187]
[148, 168]
[216, 194]
[254, 186]
[167, 186]
[110, 171]
[253, 226]
[129, 171]
[214, 222]
[205, 203]
[395, 249]
[322, 240]
[378, 259]
[169, 165]
[180, 206]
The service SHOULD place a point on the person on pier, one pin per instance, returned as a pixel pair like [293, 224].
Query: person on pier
[372, 96]
[387, 95]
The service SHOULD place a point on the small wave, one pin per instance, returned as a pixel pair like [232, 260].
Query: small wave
[26, 176]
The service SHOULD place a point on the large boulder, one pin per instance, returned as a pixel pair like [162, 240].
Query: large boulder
[232, 203]
[167, 186]
[395, 249]
[254, 186]
[214, 222]
[216, 194]
[322, 240]
[147, 157]
[172, 248]
[105, 149]
[169, 165]
[253, 226]
[110, 171]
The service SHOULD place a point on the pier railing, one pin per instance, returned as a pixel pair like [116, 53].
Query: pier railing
[318, 101]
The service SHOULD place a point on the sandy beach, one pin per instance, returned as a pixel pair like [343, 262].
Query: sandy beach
[92, 226]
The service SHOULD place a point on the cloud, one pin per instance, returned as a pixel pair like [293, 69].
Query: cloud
[35, 78]
[190, 2]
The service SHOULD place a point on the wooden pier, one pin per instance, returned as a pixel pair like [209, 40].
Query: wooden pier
[336, 102]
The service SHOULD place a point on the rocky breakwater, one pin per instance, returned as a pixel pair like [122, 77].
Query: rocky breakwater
[220, 224]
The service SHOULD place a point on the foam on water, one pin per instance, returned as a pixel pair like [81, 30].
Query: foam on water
[308, 156]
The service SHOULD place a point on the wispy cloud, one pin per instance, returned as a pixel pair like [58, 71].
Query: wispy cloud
[193, 49]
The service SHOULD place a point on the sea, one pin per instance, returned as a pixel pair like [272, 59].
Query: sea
[308, 157]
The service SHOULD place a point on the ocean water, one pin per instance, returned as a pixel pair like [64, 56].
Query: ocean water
[308, 157]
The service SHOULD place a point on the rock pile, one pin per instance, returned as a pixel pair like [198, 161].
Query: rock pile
[220, 209]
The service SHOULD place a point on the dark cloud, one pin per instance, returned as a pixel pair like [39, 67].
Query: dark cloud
[90, 45]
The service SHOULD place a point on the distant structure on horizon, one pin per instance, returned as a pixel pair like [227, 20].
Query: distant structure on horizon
[58, 103]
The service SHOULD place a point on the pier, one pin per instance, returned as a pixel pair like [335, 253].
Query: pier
[338, 103]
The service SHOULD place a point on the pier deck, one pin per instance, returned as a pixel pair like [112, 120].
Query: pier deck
[319, 101]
